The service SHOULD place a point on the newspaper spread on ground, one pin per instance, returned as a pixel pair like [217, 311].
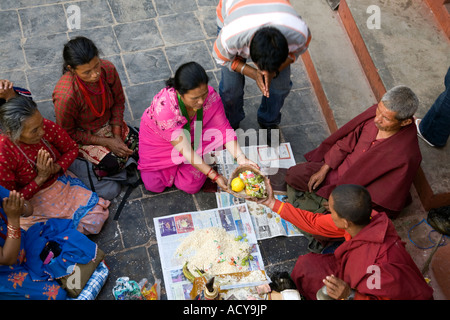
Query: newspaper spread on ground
[267, 224]
[269, 159]
[172, 229]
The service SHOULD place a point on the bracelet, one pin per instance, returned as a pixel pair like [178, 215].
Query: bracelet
[210, 172]
[215, 178]
[94, 140]
[116, 130]
[240, 154]
[211, 169]
[242, 68]
[13, 232]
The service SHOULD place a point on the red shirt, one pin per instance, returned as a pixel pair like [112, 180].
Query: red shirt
[314, 223]
[73, 112]
[377, 244]
[17, 173]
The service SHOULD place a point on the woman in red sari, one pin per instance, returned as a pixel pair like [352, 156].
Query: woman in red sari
[89, 104]
[34, 156]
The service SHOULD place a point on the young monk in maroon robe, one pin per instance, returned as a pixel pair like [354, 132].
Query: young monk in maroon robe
[378, 149]
[371, 264]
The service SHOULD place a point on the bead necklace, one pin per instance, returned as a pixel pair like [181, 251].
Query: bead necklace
[85, 89]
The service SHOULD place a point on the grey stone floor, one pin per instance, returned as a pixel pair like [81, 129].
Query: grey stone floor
[146, 40]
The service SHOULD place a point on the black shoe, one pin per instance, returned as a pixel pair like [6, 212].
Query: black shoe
[262, 126]
[269, 132]
[281, 280]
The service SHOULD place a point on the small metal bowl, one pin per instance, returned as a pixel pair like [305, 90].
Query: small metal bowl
[322, 294]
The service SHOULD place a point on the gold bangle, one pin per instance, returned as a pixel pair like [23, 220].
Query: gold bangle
[13, 232]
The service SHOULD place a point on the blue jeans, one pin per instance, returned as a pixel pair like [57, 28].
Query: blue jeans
[231, 90]
[435, 125]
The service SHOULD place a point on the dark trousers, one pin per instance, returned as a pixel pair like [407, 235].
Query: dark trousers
[435, 126]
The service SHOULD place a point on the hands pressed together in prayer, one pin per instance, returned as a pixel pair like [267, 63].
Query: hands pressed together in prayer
[45, 167]
[14, 205]
[263, 80]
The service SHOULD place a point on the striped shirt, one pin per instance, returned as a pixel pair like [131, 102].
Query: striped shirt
[240, 19]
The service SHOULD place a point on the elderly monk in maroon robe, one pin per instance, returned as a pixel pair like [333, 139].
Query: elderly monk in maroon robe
[371, 264]
[377, 149]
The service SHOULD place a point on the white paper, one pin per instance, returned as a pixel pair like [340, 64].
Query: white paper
[172, 229]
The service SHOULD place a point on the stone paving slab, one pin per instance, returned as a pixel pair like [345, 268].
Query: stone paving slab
[146, 40]
[29, 56]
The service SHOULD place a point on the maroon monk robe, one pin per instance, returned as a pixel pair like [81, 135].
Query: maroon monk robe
[387, 169]
[374, 262]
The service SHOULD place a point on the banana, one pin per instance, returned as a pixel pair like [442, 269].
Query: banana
[200, 272]
[187, 273]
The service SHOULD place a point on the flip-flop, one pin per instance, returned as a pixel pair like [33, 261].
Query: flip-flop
[417, 121]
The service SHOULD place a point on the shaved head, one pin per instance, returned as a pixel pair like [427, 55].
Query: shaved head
[353, 203]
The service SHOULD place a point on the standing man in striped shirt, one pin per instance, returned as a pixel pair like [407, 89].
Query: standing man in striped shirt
[272, 35]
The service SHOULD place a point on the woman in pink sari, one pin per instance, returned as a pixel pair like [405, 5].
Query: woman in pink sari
[185, 121]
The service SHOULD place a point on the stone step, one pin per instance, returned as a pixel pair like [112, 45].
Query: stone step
[333, 66]
[411, 48]
[441, 10]
[352, 61]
